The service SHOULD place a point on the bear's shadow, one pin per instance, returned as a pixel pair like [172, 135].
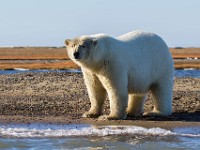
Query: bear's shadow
[177, 116]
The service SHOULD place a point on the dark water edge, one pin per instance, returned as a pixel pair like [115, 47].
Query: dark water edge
[136, 142]
[178, 73]
[187, 73]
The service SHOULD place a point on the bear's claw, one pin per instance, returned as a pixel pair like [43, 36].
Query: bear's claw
[155, 113]
[134, 114]
[90, 115]
[108, 117]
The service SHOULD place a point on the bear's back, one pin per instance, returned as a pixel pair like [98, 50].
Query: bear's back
[145, 42]
[139, 36]
[146, 54]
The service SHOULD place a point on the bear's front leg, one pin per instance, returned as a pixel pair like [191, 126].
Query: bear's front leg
[118, 104]
[118, 97]
[97, 95]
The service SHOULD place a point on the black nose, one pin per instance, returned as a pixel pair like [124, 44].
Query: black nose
[76, 55]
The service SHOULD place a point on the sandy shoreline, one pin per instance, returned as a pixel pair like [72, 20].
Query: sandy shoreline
[62, 98]
[151, 123]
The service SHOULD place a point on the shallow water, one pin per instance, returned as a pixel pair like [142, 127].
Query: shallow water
[82, 136]
[187, 73]
[178, 73]
[21, 70]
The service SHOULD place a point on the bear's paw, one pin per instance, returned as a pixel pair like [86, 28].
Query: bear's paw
[110, 117]
[156, 113]
[89, 114]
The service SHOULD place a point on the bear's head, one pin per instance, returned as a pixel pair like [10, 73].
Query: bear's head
[81, 49]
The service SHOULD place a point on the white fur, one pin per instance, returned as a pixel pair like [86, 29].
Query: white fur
[127, 68]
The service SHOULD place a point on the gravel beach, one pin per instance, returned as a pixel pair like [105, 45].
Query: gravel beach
[62, 98]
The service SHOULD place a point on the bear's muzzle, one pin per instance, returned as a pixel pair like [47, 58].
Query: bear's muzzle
[76, 55]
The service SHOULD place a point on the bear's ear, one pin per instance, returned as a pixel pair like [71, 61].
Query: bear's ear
[95, 42]
[67, 42]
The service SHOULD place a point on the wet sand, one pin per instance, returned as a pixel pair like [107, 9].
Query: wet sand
[62, 98]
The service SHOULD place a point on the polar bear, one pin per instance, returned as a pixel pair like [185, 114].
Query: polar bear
[126, 68]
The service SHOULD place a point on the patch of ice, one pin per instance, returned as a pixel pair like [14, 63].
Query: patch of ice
[21, 69]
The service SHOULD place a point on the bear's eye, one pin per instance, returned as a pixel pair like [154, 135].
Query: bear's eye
[83, 46]
[72, 45]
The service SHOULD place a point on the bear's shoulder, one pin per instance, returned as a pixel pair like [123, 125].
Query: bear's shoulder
[99, 36]
[135, 35]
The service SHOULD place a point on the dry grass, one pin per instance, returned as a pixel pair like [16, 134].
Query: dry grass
[32, 53]
[60, 53]
[181, 64]
[185, 52]
[40, 65]
[47, 53]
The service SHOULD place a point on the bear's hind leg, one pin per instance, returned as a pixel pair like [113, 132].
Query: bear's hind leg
[162, 94]
[135, 104]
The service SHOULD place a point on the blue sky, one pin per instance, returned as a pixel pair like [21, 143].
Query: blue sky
[50, 22]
